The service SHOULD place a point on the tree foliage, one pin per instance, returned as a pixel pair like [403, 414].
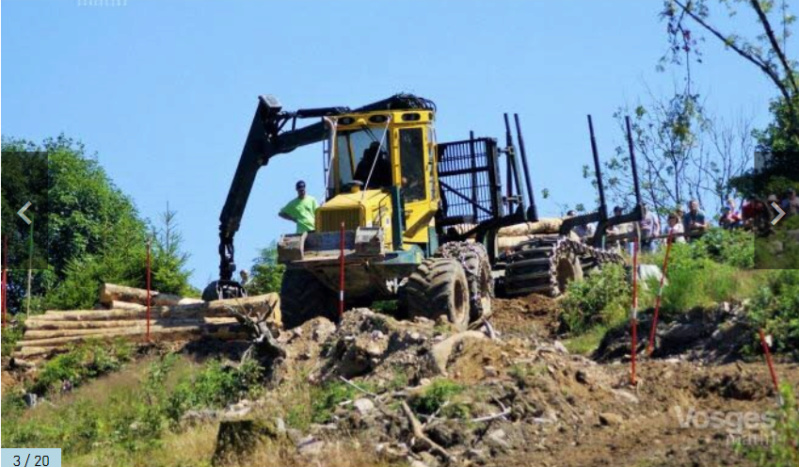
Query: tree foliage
[94, 235]
[266, 275]
[682, 154]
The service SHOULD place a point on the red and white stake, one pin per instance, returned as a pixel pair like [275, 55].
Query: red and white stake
[650, 346]
[341, 277]
[770, 365]
[148, 291]
[634, 313]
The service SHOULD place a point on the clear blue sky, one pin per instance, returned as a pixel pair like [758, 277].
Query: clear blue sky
[164, 91]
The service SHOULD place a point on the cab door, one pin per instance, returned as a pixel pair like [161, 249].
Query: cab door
[414, 181]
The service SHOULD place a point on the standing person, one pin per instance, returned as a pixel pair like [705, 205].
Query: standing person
[791, 203]
[676, 228]
[725, 218]
[694, 221]
[617, 231]
[650, 227]
[734, 215]
[752, 211]
[582, 231]
[301, 210]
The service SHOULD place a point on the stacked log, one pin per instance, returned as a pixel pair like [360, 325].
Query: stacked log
[125, 316]
[543, 226]
[512, 235]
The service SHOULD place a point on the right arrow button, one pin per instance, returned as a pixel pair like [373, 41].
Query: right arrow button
[780, 213]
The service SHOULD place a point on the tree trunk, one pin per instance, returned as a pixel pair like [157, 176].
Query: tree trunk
[38, 325]
[119, 305]
[120, 326]
[264, 305]
[222, 331]
[111, 292]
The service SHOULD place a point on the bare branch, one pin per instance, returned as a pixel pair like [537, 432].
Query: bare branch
[757, 61]
[418, 432]
[775, 44]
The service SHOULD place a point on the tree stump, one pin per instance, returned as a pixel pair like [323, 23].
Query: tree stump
[237, 439]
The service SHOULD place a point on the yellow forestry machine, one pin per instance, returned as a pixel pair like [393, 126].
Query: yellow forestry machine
[426, 223]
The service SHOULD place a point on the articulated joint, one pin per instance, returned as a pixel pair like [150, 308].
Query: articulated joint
[227, 264]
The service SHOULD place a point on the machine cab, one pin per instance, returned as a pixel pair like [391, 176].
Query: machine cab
[372, 154]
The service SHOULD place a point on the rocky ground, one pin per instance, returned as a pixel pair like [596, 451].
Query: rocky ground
[419, 394]
[520, 398]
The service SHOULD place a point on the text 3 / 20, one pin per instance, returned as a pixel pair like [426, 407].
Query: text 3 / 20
[37, 461]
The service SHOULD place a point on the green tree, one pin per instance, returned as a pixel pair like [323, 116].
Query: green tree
[682, 152]
[169, 273]
[266, 275]
[94, 234]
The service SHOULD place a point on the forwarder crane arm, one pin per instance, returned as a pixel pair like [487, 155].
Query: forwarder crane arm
[266, 139]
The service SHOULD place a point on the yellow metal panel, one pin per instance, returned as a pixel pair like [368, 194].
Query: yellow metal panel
[374, 208]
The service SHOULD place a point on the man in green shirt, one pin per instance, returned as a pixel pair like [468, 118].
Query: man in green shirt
[301, 210]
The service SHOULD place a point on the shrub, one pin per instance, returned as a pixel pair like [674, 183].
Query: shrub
[775, 308]
[436, 395]
[10, 336]
[602, 298]
[733, 247]
[324, 400]
[215, 386]
[783, 450]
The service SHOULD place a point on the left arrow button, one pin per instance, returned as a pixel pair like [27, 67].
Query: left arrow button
[21, 213]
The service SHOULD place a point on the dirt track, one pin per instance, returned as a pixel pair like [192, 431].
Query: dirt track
[648, 429]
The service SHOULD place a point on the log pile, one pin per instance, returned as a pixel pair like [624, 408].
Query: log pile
[123, 314]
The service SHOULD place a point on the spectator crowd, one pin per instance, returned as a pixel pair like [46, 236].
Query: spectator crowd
[684, 225]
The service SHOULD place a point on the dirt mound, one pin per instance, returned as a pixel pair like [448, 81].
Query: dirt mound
[468, 399]
[377, 347]
[718, 334]
[524, 316]
[379, 391]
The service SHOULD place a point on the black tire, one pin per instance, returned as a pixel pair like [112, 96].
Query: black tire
[227, 289]
[303, 297]
[474, 259]
[545, 266]
[439, 287]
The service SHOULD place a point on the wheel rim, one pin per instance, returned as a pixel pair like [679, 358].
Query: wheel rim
[460, 312]
[565, 272]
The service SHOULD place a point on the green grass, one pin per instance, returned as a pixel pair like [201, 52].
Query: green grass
[436, 395]
[699, 281]
[783, 451]
[83, 362]
[714, 269]
[307, 404]
[216, 386]
[399, 379]
[387, 307]
[124, 417]
[586, 343]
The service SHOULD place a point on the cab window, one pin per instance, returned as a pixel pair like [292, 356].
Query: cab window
[360, 155]
[411, 146]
